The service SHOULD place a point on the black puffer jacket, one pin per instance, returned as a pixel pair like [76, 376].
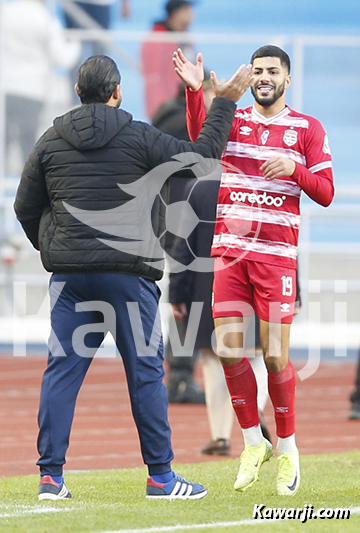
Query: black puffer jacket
[83, 200]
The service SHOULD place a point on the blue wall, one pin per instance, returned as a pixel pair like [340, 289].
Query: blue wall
[286, 16]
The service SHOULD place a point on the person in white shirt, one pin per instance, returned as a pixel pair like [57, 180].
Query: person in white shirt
[34, 44]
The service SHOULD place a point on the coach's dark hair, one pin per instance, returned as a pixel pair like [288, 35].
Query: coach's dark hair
[272, 51]
[97, 79]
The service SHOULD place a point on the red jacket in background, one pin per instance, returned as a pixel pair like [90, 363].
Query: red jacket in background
[161, 81]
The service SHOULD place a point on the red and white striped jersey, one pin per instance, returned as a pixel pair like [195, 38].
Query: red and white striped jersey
[259, 219]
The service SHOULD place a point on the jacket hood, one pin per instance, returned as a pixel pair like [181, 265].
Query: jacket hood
[91, 126]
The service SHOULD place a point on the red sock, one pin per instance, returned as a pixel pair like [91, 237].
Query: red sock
[282, 394]
[241, 383]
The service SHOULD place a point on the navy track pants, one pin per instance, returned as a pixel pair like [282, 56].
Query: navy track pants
[78, 329]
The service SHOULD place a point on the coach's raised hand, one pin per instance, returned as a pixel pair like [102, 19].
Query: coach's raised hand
[236, 86]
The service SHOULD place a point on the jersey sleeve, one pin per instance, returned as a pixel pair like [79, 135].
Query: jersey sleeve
[195, 112]
[316, 179]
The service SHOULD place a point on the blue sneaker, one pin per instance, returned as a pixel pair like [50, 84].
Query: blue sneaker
[50, 490]
[176, 489]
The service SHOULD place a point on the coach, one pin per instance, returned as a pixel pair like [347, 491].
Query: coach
[82, 161]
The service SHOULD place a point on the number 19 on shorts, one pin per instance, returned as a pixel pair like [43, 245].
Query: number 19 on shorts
[287, 285]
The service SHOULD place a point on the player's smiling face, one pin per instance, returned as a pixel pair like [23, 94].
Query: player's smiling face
[270, 81]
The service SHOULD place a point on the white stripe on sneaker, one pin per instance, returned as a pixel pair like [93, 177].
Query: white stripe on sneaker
[64, 492]
[175, 489]
[182, 491]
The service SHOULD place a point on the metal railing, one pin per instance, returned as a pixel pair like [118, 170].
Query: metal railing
[298, 42]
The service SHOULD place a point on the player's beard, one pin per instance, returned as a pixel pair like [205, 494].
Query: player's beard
[267, 102]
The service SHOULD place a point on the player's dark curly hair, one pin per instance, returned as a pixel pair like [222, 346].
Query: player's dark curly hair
[272, 51]
[97, 79]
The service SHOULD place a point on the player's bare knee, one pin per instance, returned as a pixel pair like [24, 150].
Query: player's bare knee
[231, 351]
[229, 356]
[226, 361]
[275, 363]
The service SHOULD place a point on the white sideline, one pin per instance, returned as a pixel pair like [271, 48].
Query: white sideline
[23, 510]
[211, 525]
[37, 510]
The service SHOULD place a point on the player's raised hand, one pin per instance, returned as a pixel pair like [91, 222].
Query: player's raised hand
[277, 167]
[236, 86]
[192, 75]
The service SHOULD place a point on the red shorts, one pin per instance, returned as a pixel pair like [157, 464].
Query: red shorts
[247, 287]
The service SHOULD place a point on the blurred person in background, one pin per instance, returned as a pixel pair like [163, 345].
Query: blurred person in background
[34, 45]
[99, 12]
[355, 396]
[161, 82]
[171, 118]
[189, 286]
[92, 14]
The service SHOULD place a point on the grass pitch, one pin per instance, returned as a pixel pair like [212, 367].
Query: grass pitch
[114, 500]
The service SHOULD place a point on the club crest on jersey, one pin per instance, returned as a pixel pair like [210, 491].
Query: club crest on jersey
[290, 137]
[264, 136]
[245, 130]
